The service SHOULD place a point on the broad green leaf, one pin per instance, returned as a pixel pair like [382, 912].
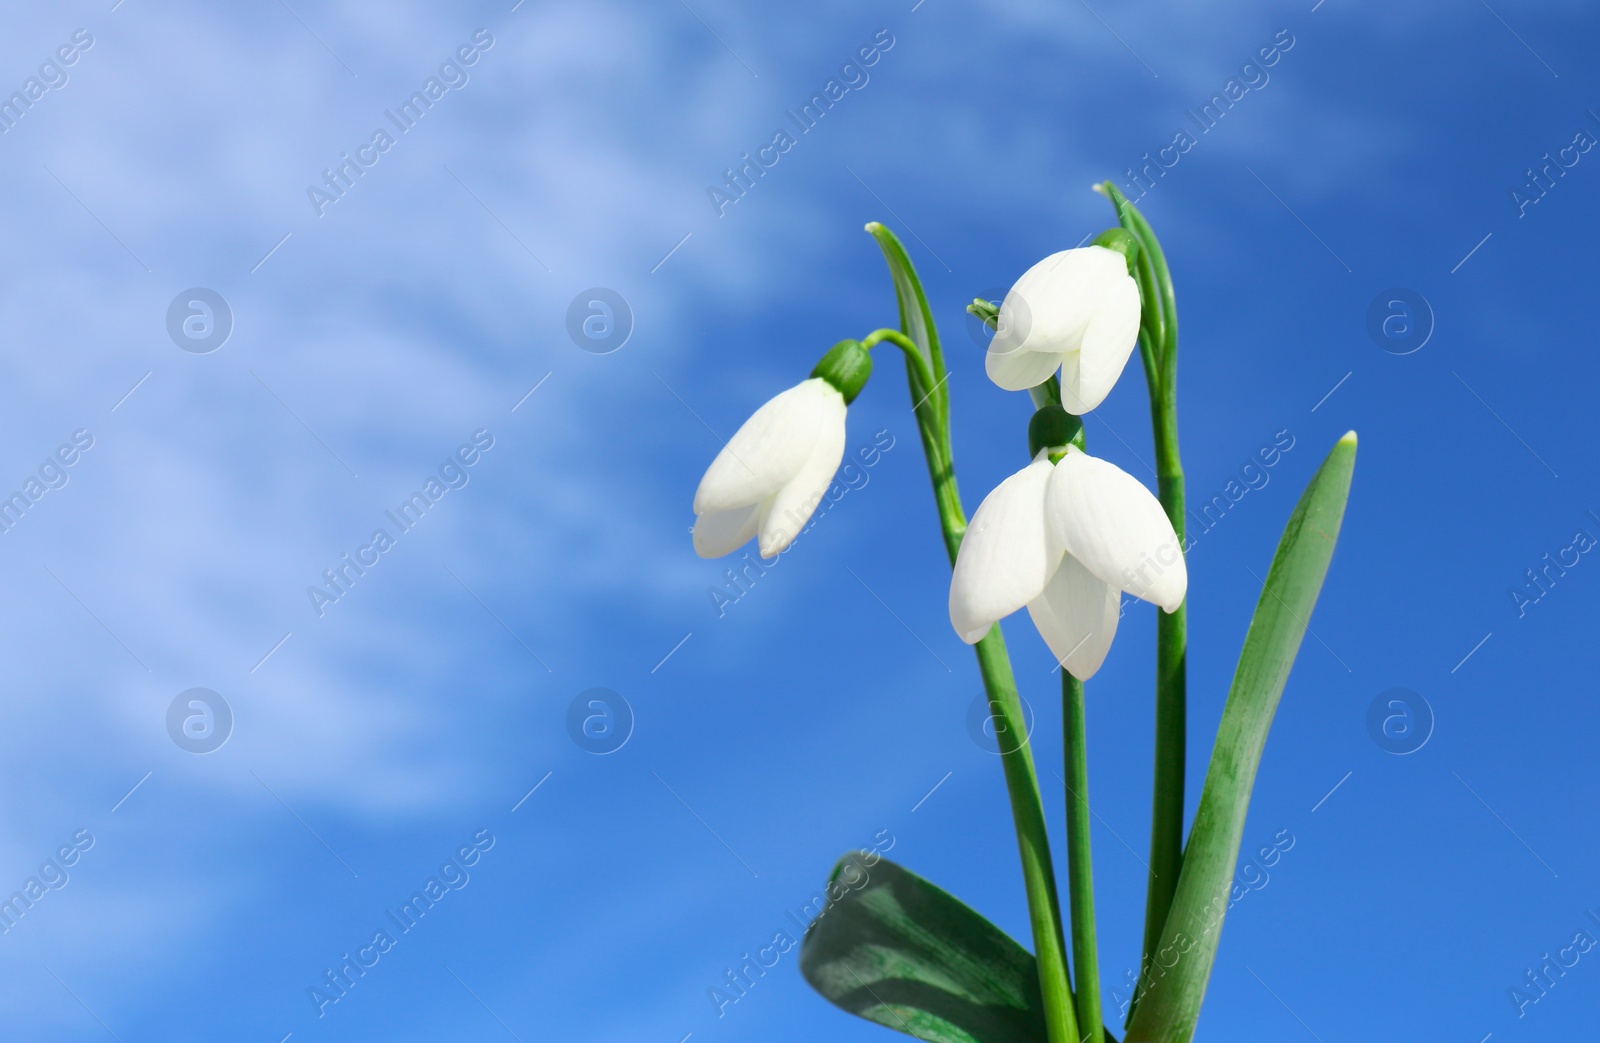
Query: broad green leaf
[1170, 1007]
[896, 950]
[916, 319]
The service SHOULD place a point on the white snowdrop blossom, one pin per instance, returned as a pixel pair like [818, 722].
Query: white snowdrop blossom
[1064, 540]
[769, 478]
[1076, 311]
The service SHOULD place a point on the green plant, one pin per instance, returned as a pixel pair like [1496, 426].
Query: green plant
[1064, 537]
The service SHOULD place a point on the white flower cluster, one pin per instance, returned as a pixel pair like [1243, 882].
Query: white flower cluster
[1063, 537]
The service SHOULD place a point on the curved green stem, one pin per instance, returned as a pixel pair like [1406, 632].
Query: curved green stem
[914, 359]
[930, 400]
[935, 431]
[1080, 869]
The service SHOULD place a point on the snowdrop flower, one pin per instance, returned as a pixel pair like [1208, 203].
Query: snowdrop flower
[771, 475]
[1076, 311]
[1064, 539]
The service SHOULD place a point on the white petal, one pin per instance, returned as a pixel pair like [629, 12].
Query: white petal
[723, 532]
[1009, 362]
[1117, 529]
[1047, 313]
[1077, 617]
[1070, 384]
[1006, 557]
[794, 503]
[768, 450]
[1107, 343]
[1060, 294]
[1018, 369]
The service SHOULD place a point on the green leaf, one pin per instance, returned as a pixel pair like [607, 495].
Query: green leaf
[916, 319]
[896, 950]
[1170, 1007]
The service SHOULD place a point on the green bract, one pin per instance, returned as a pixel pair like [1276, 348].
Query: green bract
[1123, 242]
[846, 366]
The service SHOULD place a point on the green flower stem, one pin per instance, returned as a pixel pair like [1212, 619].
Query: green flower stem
[1046, 394]
[1172, 637]
[917, 367]
[1005, 707]
[1158, 343]
[1027, 811]
[1080, 870]
[934, 428]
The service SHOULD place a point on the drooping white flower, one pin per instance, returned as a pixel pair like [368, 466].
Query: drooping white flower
[771, 475]
[1076, 311]
[1112, 524]
[1064, 540]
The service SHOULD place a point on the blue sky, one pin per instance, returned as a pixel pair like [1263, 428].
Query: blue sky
[370, 743]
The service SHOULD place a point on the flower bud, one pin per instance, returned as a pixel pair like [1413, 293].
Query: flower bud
[846, 366]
